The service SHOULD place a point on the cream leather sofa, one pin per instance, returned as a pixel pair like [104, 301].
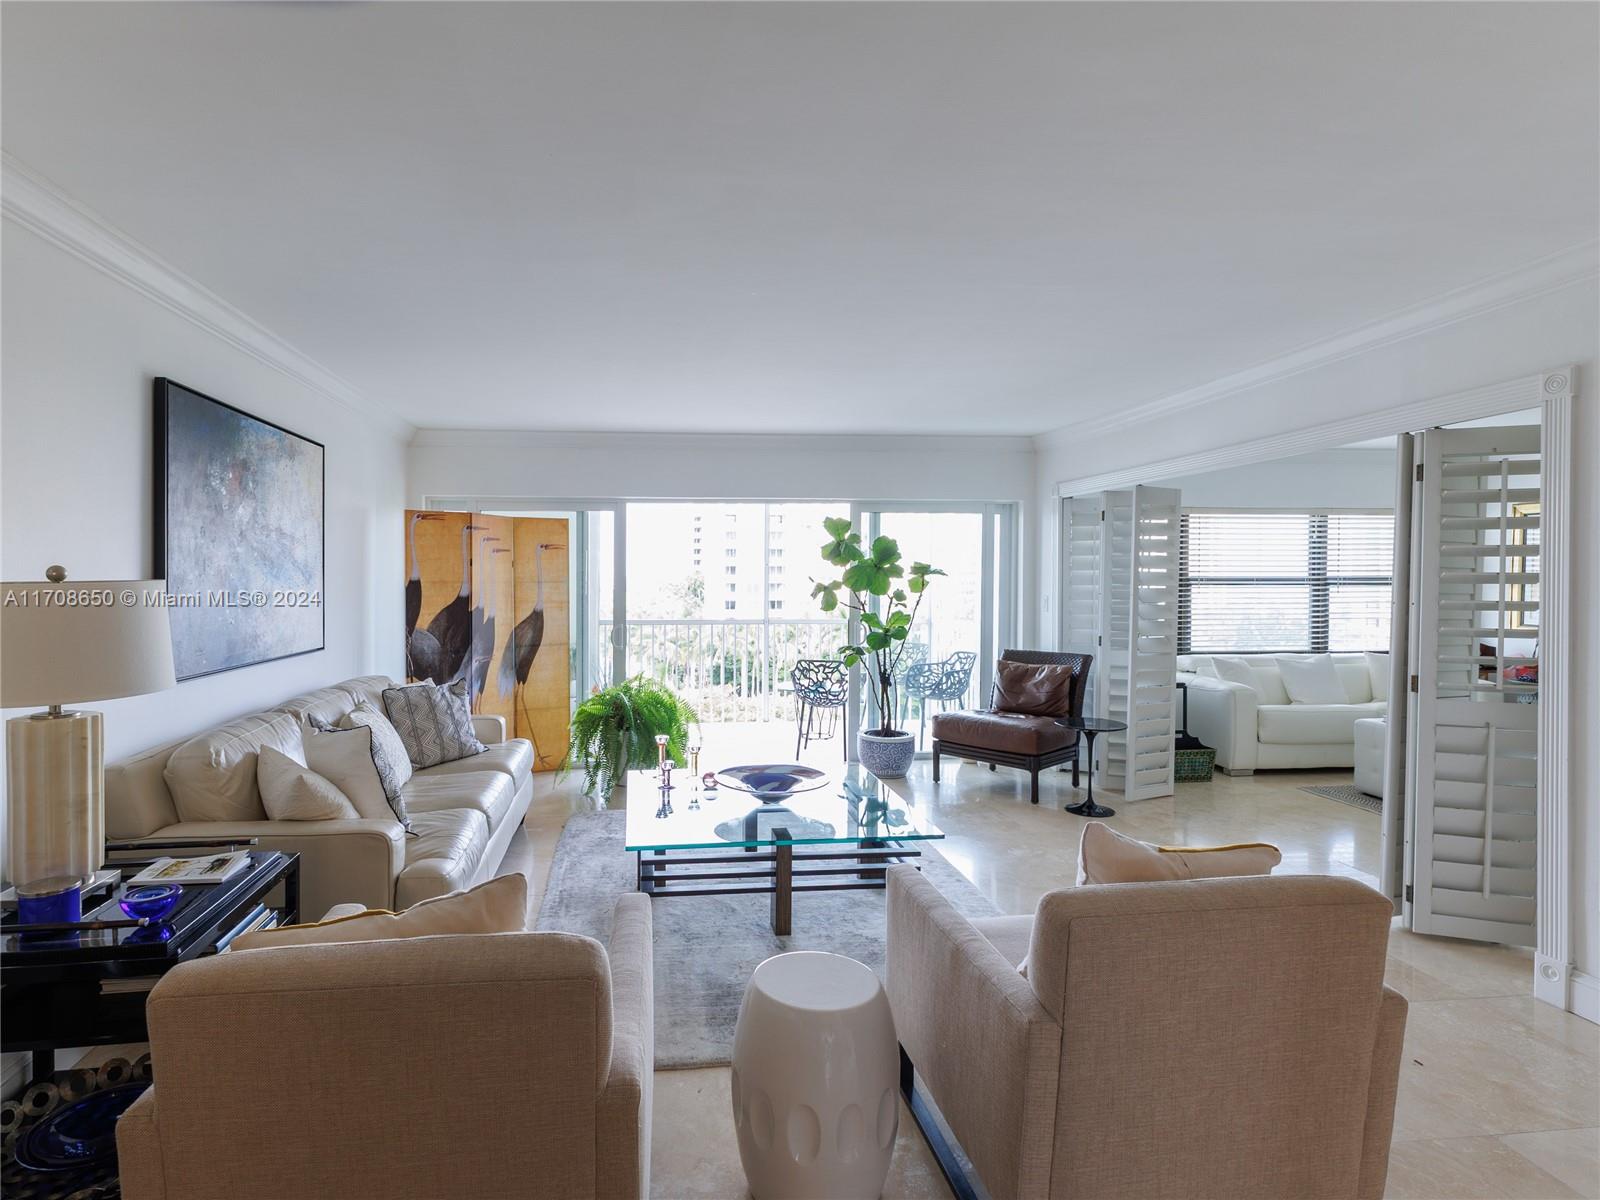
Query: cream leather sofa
[1205, 1037]
[470, 1066]
[1257, 728]
[463, 813]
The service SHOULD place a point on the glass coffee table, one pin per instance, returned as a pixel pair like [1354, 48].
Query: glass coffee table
[841, 837]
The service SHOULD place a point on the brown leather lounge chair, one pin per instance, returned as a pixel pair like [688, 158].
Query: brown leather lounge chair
[1021, 727]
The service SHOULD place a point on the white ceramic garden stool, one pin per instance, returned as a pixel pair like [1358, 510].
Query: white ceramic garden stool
[815, 1077]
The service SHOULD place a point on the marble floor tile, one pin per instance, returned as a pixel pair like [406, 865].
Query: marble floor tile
[700, 1158]
[1571, 1155]
[1495, 1065]
[1473, 1168]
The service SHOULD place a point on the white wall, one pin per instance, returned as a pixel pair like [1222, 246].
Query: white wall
[1343, 478]
[463, 464]
[80, 352]
[1559, 327]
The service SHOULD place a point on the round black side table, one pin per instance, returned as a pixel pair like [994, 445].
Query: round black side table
[1090, 728]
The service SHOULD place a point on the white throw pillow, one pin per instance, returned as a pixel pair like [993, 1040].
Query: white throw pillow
[1236, 670]
[1312, 680]
[344, 758]
[292, 791]
[1353, 674]
[498, 906]
[1378, 674]
[388, 750]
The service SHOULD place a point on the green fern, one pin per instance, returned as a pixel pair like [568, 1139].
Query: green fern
[614, 731]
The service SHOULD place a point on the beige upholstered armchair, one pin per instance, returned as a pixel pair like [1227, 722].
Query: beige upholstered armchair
[1204, 1038]
[488, 1065]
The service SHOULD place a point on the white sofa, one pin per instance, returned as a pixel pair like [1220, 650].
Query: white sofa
[1257, 727]
[463, 813]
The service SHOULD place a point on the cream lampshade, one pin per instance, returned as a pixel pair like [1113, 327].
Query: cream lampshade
[63, 643]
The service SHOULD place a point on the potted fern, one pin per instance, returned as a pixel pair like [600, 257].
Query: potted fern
[885, 611]
[614, 731]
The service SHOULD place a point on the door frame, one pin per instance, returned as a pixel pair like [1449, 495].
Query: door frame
[1553, 392]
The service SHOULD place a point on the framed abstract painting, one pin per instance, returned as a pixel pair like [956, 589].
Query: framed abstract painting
[239, 525]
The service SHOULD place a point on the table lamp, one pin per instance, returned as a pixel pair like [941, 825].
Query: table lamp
[63, 643]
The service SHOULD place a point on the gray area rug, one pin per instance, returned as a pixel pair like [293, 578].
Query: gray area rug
[707, 946]
[1352, 796]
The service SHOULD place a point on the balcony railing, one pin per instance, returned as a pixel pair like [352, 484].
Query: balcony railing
[729, 670]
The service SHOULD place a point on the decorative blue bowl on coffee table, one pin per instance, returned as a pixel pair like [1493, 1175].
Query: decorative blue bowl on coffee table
[771, 782]
[151, 901]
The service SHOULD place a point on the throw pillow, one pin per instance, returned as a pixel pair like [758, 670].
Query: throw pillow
[1236, 670]
[499, 906]
[1312, 680]
[344, 757]
[1378, 674]
[433, 721]
[1106, 856]
[291, 791]
[1032, 689]
[388, 751]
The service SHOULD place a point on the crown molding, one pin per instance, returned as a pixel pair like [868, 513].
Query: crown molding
[39, 206]
[1566, 268]
[681, 443]
[1513, 395]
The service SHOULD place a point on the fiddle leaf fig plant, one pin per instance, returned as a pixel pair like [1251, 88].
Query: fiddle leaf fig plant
[883, 595]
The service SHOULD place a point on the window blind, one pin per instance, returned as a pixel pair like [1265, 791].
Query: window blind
[1262, 580]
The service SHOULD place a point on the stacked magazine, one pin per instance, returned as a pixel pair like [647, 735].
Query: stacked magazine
[208, 868]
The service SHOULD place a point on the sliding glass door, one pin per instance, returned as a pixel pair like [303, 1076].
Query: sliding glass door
[720, 605]
[962, 621]
[714, 598]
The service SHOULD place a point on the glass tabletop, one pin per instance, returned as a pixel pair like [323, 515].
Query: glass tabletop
[1094, 724]
[854, 807]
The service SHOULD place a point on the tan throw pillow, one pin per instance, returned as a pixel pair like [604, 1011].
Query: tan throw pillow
[388, 752]
[499, 906]
[1032, 689]
[1106, 856]
[292, 791]
[344, 758]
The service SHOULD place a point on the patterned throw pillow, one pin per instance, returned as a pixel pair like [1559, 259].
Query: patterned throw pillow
[344, 758]
[433, 721]
[388, 753]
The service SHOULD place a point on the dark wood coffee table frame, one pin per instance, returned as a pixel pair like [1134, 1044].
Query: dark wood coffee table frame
[781, 870]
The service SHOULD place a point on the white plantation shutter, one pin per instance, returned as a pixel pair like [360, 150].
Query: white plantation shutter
[1080, 604]
[1139, 626]
[1255, 581]
[1476, 736]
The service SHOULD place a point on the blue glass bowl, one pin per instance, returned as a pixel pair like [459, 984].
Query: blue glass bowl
[769, 782]
[152, 901]
[78, 1135]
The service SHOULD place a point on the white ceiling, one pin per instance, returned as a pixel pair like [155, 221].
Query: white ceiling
[819, 217]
